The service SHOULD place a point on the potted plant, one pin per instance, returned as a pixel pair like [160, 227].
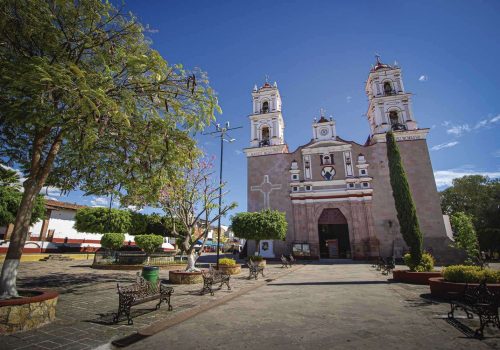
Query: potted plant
[417, 274]
[229, 266]
[456, 276]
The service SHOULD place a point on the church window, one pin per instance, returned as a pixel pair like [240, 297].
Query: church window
[394, 118]
[295, 177]
[351, 185]
[326, 159]
[265, 107]
[295, 188]
[362, 171]
[308, 188]
[365, 184]
[265, 136]
[388, 88]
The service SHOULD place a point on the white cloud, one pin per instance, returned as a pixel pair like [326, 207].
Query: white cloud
[459, 130]
[50, 191]
[496, 153]
[238, 152]
[423, 78]
[348, 99]
[99, 202]
[444, 145]
[444, 178]
[52, 198]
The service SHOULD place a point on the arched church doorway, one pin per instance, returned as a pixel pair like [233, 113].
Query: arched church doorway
[333, 234]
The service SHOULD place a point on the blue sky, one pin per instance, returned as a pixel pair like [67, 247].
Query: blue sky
[320, 53]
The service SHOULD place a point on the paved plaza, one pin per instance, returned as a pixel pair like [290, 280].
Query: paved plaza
[312, 306]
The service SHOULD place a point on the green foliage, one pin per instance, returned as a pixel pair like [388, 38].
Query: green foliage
[426, 263]
[266, 224]
[10, 199]
[227, 262]
[255, 258]
[478, 197]
[407, 214]
[102, 220]
[138, 223]
[164, 226]
[465, 236]
[112, 240]
[470, 274]
[148, 243]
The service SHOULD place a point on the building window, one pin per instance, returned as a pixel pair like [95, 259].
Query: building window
[362, 171]
[366, 184]
[388, 88]
[265, 107]
[295, 177]
[265, 136]
[295, 188]
[308, 188]
[351, 185]
[393, 117]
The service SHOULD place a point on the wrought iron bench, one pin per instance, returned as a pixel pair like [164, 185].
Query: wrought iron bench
[388, 265]
[285, 263]
[255, 269]
[211, 277]
[477, 300]
[139, 292]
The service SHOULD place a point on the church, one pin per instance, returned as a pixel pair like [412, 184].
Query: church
[336, 193]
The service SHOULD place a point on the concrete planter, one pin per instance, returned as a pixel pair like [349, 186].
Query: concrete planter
[406, 276]
[440, 288]
[22, 314]
[183, 277]
[230, 270]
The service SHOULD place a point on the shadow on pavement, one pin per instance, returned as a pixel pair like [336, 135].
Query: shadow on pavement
[332, 283]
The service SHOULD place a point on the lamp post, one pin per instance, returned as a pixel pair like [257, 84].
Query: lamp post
[221, 132]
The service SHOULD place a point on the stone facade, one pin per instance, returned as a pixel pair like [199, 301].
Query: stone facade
[332, 173]
[31, 315]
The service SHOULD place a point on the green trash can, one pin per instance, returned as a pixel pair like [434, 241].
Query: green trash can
[151, 274]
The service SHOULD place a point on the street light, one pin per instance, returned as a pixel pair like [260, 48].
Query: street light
[221, 132]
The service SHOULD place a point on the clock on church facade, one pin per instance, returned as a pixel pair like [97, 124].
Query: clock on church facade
[336, 193]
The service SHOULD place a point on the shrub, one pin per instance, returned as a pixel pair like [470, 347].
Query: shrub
[426, 263]
[113, 241]
[255, 258]
[470, 274]
[148, 243]
[227, 262]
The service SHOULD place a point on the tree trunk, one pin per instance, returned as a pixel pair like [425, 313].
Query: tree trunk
[192, 257]
[21, 228]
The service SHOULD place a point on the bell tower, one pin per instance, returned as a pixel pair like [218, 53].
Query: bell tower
[389, 104]
[266, 122]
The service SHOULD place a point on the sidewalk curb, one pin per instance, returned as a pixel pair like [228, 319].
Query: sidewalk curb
[185, 315]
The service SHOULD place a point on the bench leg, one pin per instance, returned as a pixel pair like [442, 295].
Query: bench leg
[123, 308]
[207, 287]
[166, 299]
[451, 314]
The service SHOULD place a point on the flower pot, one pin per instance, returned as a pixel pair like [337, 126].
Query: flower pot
[440, 288]
[230, 270]
[422, 278]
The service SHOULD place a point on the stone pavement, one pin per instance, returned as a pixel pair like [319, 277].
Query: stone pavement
[326, 307]
[88, 300]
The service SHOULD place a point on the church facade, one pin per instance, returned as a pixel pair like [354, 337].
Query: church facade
[336, 193]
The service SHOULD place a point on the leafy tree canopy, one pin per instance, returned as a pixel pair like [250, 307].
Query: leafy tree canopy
[465, 236]
[266, 224]
[112, 240]
[149, 243]
[102, 220]
[478, 197]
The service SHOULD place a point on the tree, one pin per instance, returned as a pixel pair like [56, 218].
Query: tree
[102, 220]
[87, 103]
[10, 198]
[191, 198]
[112, 240]
[466, 237]
[405, 207]
[266, 224]
[476, 196]
[148, 243]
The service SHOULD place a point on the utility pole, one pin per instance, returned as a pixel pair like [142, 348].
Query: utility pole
[222, 133]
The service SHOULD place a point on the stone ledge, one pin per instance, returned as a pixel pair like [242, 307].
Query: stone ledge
[22, 314]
